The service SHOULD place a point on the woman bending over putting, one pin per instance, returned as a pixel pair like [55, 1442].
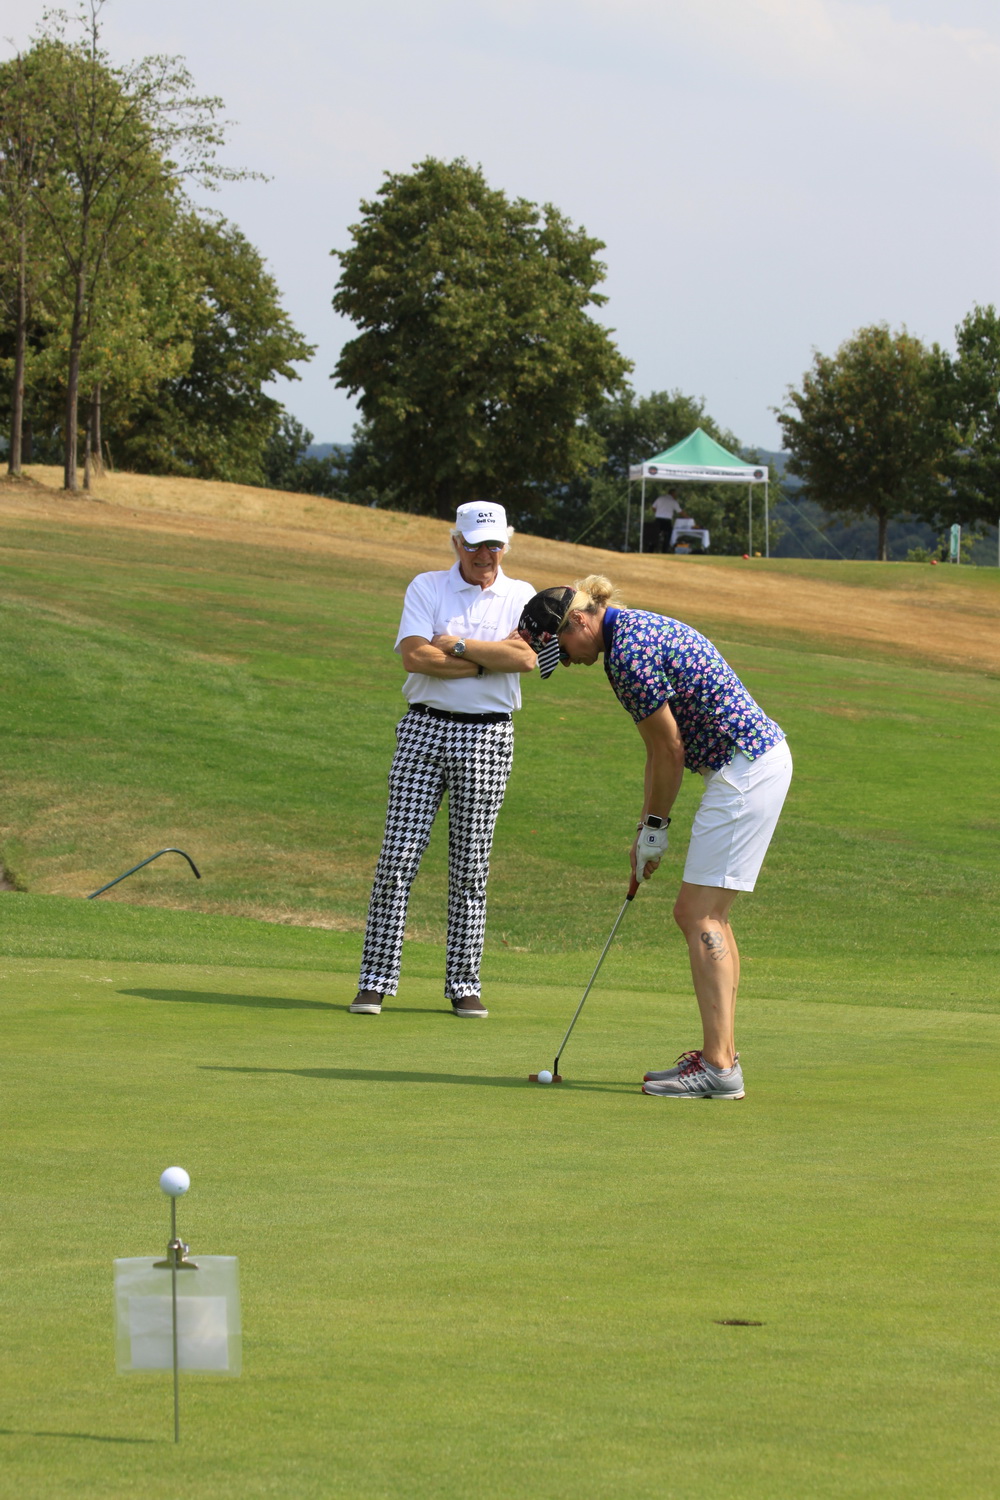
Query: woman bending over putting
[692, 711]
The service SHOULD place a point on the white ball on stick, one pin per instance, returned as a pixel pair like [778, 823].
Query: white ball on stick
[175, 1182]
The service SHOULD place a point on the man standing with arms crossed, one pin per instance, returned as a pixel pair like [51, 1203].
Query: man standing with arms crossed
[459, 644]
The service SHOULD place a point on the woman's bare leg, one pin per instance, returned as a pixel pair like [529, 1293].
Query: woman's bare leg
[702, 914]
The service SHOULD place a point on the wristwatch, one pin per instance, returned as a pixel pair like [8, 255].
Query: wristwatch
[652, 821]
[458, 649]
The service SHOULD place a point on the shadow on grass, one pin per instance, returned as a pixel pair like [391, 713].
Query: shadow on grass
[273, 1002]
[390, 1075]
[89, 1437]
[252, 1002]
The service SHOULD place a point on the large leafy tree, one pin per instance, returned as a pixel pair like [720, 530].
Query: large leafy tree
[476, 357]
[127, 137]
[116, 294]
[866, 431]
[970, 387]
[213, 420]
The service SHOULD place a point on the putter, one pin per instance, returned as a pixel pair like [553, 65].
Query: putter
[556, 1076]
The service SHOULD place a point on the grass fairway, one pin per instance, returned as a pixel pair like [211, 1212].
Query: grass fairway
[454, 1283]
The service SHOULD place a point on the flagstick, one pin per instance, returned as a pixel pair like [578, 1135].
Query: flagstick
[173, 1288]
[175, 1182]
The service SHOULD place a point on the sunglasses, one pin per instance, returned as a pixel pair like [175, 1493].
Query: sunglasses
[493, 547]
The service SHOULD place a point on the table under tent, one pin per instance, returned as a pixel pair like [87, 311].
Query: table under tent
[698, 459]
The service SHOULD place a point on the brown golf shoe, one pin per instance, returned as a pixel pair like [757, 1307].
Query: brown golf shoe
[366, 1003]
[472, 1006]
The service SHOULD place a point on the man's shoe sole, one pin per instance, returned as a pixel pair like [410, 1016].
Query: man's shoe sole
[365, 1010]
[463, 1010]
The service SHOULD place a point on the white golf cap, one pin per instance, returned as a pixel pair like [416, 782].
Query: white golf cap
[482, 521]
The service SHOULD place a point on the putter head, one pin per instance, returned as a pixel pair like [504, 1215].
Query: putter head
[556, 1078]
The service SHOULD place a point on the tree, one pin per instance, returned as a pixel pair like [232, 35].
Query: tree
[866, 434]
[593, 506]
[26, 159]
[127, 136]
[634, 427]
[476, 358]
[213, 420]
[138, 339]
[288, 465]
[970, 386]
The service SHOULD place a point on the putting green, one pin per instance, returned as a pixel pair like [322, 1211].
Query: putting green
[456, 1283]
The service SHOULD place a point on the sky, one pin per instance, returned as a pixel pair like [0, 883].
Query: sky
[768, 176]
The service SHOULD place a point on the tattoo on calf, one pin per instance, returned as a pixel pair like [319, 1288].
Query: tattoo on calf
[716, 945]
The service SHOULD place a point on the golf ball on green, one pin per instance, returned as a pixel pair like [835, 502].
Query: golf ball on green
[545, 1076]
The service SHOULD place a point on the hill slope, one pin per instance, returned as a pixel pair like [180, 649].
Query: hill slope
[948, 615]
[229, 686]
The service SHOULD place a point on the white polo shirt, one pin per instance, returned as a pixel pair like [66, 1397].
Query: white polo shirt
[444, 604]
[665, 507]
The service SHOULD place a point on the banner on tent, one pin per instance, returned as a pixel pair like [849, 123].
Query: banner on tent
[678, 473]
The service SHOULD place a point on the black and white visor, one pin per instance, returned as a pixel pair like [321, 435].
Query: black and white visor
[539, 626]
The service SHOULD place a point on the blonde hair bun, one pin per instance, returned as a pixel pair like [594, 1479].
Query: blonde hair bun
[593, 593]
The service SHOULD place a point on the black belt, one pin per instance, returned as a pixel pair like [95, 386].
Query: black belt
[446, 713]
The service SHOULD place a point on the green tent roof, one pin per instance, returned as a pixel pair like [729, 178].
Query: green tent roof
[699, 450]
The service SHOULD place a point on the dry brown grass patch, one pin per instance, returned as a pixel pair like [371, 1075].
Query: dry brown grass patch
[929, 618]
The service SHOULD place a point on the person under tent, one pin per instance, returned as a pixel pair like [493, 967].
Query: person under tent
[665, 508]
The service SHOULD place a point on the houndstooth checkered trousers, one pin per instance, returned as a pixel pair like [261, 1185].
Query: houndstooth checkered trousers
[472, 763]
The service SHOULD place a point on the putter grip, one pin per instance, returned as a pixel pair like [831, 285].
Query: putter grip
[633, 886]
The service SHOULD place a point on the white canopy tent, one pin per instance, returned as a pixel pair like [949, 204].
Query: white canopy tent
[699, 459]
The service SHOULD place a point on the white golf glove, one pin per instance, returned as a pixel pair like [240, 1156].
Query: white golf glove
[650, 847]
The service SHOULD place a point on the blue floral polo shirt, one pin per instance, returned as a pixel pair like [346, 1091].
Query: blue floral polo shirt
[651, 660]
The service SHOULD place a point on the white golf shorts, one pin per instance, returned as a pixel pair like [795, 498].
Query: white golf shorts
[735, 819]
